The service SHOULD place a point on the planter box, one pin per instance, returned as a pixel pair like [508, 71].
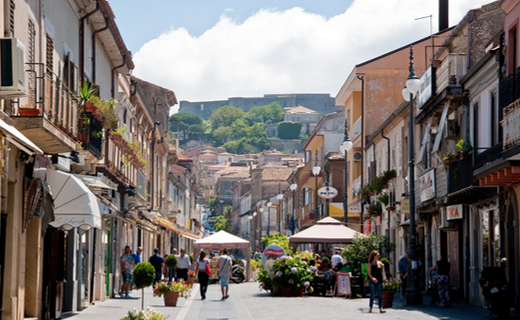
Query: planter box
[286, 292]
[35, 112]
[170, 298]
[388, 299]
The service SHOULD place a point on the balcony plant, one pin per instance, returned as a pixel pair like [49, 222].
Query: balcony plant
[106, 111]
[390, 174]
[384, 198]
[171, 291]
[29, 110]
[86, 92]
[448, 158]
[375, 209]
[463, 148]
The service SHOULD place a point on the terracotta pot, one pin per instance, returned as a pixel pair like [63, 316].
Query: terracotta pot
[388, 299]
[190, 281]
[29, 112]
[89, 107]
[286, 292]
[116, 137]
[170, 298]
[449, 161]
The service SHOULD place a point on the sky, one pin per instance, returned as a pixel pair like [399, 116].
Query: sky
[214, 49]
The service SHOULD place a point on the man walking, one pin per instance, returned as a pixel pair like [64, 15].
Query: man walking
[137, 255]
[224, 273]
[127, 265]
[336, 259]
[183, 265]
[403, 271]
[157, 262]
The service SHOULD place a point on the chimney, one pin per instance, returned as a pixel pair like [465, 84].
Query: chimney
[443, 14]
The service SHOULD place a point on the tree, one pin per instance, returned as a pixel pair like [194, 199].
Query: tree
[227, 211]
[143, 276]
[271, 113]
[357, 253]
[185, 121]
[221, 223]
[289, 130]
[222, 135]
[195, 131]
[212, 202]
[241, 146]
[277, 238]
[240, 129]
[225, 116]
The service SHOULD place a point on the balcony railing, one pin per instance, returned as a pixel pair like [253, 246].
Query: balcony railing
[450, 71]
[460, 175]
[511, 125]
[356, 128]
[488, 155]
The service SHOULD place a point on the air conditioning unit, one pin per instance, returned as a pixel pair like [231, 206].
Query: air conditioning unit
[451, 129]
[12, 68]
[357, 156]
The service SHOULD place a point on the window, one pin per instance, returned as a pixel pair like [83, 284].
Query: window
[50, 54]
[298, 118]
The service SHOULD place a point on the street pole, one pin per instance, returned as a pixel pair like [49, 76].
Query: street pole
[293, 187]
[345, 147]
[413, 294]
[316, 172]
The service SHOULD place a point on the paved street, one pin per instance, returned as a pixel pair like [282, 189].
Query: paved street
[248, 302]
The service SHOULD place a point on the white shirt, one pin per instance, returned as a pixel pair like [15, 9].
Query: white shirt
[184, 263]
[335, 260]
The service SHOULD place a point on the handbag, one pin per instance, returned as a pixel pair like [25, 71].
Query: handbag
[208, 269]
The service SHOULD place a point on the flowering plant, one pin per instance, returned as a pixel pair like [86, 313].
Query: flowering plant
[149, 314]
[292, 273]
[392, 285]
[163, 287]
[191, 274]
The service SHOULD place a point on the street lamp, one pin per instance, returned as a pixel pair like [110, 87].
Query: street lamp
[268, 204]
[316, 171]
[345, 148]
[280, 198]
[293, 187]
[413, 294]
[261, 209]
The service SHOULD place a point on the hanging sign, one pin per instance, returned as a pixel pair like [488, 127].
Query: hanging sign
[327, 192]
[454, 212]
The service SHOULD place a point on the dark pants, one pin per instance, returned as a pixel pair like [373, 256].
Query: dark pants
[373, 288]
[203, 281]
[405, 285]
[158, 276]
[171, 275]
[182, 274]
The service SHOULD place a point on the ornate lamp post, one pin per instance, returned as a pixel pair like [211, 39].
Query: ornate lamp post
[345, 148]
[279, 197]
[261, 209]
[268, 217]
[316, 171]
[413, 294]
[293, 187]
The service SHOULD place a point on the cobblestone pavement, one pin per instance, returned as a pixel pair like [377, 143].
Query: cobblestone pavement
[247, 302]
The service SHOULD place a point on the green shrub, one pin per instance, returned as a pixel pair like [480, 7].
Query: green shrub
[143, 275]
[325, 260]
[171, 261]
[191, 258]
[289, 130]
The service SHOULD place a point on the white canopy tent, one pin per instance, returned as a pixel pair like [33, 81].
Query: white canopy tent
[222, 240]
[327, 230]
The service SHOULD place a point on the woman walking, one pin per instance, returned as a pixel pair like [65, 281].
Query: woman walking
[203, 276]
[443, 279]
[375, 276]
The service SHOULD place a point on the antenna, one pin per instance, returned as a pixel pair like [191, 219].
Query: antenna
[431, 33]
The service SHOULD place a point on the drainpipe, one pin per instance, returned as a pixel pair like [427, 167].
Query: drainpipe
[94, 49]
[3, 222]
[362, 78]
[468, 54]
[82, 42]
[387, 169]
[112, 74]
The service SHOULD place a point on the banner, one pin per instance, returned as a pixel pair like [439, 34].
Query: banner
[336, 210]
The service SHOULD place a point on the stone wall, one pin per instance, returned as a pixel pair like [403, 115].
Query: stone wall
[287, 145]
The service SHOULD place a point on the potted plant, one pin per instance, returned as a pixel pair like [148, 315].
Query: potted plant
[384, 198]
[143, 276]
[106, 112]
[389, 288]
[148, 314]
[171, 261]
[171, 291]
[86, 93]
[448, 158]
[390, 174]
[463, 148]
[375, 209]
[365, 192]
[191, 278]
[292, 276]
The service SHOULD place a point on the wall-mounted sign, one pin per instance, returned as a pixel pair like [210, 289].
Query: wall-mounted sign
[327, 192]
[405, 206]
[426, 89]
[427, 183]
[336, 210]
[454, 212]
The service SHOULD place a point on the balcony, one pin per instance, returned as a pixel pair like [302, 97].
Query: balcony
[356, 128]
[511, 132]
[460, 175]
[50, 119]
[90, 132]
[450, 71]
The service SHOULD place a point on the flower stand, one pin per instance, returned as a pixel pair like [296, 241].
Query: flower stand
[388, 299]
[170, 298]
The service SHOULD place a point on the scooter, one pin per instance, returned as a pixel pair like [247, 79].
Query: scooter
[237, 274]
[496, 291]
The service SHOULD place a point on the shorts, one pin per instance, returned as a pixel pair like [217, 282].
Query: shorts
[224, 281]
[127, 277]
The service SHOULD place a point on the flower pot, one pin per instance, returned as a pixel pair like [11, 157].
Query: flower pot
[34, 112]
[388, 299]
[170, 298]
[287, 292]
[448, 161]
[89, 107]
[463, 155]
[190, 281]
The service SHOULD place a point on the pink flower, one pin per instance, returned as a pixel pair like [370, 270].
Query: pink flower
[306, 284]
[294, 270]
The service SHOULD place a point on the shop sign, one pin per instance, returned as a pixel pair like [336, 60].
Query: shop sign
[327, 192]
[427, 183]
[270, 255]
[367, 228]
[405, 206]
[336, 210]
[426, 90]
[454, 212]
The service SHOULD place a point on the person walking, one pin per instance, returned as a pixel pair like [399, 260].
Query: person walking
[224, 273]
[200, 271]
[443, 279]
[375, 276]
[137, 255]
[127, 265]
[157, 262]
[403, 272]
[183, 265]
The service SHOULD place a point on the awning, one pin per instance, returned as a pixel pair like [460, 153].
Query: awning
[327, 230]
[188, 235]
[75, 205]
[164, 223]
[18, 139]
[95, 182]
[405, 224]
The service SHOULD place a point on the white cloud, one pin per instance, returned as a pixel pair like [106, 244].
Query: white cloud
[289, 51]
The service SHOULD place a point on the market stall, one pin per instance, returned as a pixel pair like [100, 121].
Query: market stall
[327, 230]
[222, 240]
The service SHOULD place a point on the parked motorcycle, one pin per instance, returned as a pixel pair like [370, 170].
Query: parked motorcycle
[237, 274]
[496, 291]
